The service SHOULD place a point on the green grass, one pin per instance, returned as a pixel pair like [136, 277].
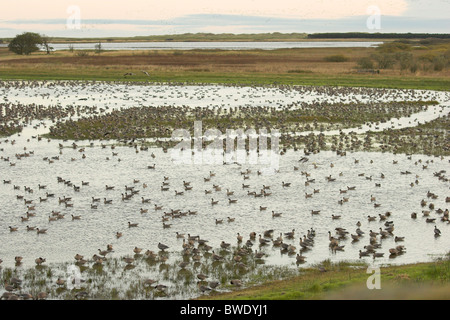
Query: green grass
[346, 280]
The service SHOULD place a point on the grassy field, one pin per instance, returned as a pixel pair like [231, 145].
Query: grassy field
[306, 66]
[349, 281]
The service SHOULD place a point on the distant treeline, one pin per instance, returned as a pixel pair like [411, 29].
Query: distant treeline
[364, 35]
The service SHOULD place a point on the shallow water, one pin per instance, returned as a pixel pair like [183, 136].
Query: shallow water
[228, 45]
[98, 227]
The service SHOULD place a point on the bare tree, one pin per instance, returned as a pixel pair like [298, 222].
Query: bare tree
[98, 47]
[46, 43]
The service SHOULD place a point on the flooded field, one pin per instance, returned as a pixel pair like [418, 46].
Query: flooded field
[86, 192]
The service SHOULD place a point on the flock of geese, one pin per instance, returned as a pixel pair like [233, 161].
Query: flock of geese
[195, 248]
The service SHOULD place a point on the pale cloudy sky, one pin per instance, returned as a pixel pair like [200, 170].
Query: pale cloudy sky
[91, 18]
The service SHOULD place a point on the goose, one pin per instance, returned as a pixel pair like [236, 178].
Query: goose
[60, 282]
[145, 200]
[162, 247]
[39, 261]
[150, 254]
[217, 257]
[131, 225]
[383, 233]
[75, 217]
[213, 284]
[78, 257]
[373, 233]
[437, 232]
[259, 254]
[214, 202]
[128, 260]
[236, 282]
[219, 221]
[41, 231]
[286, 184]
[276, 214]
[304, 245]
[230, 219]
[333, 240]
[393, 251]
[290, 234]
[300, 258]
[268, 233]
[224, 245]
[377, 254]
[276, 242]
[263, 241]
[363, 253]
[180, 235]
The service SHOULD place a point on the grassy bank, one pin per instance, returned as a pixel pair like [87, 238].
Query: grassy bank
[306, 66]
[346, 281]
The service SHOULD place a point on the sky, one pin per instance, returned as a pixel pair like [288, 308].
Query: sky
[114, 18]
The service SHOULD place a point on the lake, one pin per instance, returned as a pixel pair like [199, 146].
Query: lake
[216, 45]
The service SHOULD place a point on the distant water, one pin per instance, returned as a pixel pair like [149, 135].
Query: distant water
[214, 45]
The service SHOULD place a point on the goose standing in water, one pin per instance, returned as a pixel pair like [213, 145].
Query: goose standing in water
[437, 232]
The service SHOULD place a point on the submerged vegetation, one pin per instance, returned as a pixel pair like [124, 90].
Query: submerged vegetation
[157, 278]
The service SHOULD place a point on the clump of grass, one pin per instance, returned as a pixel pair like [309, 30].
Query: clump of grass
[336, 58]
[299, 71]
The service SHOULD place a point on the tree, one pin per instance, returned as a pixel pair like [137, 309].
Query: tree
[46, 44]
[98, 47]
[25, 43]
